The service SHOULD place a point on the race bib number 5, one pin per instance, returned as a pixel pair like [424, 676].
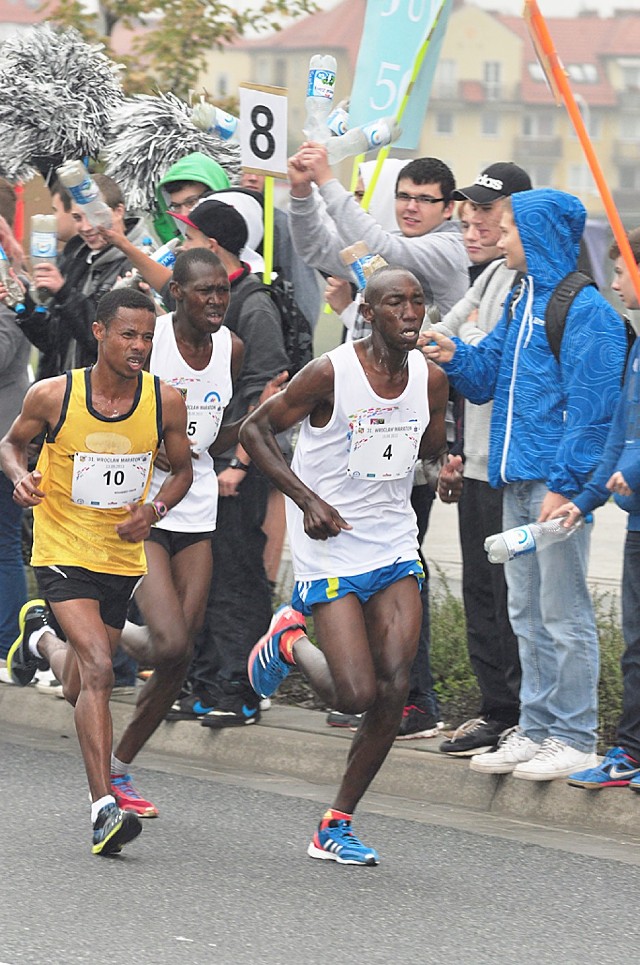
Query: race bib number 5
[109, 481]
[383, 451]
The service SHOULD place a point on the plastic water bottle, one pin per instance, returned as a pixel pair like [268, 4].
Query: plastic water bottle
[165, 255]
[338, 119]
[532, 538]
[320, 87]
[361, 261]
[86, 193]
[44, 250]
[15, 296]
[359, 140]
[207, 117]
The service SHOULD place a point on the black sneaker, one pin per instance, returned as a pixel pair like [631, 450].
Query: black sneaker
[233, 710]
[192, 707]
[113, 829]
[336, 719]
[21, 663]
[476, 736]
[418, 723]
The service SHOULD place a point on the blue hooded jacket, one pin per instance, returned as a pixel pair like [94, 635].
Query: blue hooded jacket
[550, 419]
[622, 452]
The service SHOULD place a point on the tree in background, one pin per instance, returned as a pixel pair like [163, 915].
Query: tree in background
[173, 36]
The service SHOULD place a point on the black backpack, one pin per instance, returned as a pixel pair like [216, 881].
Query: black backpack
[558, 306]
[296, 330]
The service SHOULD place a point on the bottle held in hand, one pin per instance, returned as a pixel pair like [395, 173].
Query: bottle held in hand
[320, 88]
[44, 250]
[86, 193]
[360, 140]
[532, 538]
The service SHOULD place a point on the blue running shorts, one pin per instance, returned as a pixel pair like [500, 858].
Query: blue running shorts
[308, 592]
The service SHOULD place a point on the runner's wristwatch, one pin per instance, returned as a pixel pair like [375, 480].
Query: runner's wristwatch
[236, 464]
[159, 508]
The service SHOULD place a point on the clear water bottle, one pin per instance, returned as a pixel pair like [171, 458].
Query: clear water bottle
[86, 193]
[320, 88]
[532, 538]
[207, 117]
[165, 255]
[359, 140]
[44, 250]
[338, 119]
[15, 296]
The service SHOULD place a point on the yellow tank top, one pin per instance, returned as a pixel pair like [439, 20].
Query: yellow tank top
[91, 467]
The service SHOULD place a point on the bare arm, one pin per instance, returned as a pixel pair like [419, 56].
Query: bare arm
[311, 390]
[40, 409]
[154, 274]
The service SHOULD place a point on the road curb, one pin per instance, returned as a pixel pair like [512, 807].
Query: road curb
[295, 742]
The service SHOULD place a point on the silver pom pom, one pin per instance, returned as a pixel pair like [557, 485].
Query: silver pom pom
[58, 93]
[148, 134]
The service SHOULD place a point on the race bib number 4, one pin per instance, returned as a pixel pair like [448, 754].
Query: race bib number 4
[383, 451]
[109, 481]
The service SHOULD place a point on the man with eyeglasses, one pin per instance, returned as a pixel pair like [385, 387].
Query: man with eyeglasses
[186, 181]
[426, 242]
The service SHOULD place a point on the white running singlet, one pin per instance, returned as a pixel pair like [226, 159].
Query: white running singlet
[361, 463]
[206, 393]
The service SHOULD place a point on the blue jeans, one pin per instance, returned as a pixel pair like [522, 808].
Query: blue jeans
[629, 726]
[13, 584]
[552, 616]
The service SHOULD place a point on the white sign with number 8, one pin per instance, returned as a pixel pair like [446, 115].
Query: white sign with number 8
[263, 129]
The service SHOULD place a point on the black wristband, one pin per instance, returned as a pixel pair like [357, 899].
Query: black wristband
[236, 464]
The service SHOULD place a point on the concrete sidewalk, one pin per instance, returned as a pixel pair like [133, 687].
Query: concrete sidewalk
[294, 742]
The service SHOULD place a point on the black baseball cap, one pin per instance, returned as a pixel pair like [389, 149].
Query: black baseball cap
[499, 180]
[219, 221]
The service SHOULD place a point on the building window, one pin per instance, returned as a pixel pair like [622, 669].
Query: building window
[444, 122]
[580, 179]
[280, 72]
[538, 125]
[492, 76]
[541, 174]
[222, 86]
[490, 124]
[629, 178]
[630, 127]
[592, 122]
[445, 80]
[631, 75]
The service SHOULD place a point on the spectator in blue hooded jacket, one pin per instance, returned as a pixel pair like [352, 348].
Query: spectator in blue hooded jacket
[619, 473]
[548, 430]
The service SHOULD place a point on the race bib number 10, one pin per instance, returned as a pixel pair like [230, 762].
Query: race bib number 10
[109, 481]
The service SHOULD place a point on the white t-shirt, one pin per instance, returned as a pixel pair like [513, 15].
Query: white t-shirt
[206, 393]
[362, 464]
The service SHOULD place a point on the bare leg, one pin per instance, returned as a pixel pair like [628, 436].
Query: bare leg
[172, 597]
[274, 527]
[87, 680]
[392, 619]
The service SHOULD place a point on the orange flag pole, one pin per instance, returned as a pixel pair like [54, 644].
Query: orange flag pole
[561, 89]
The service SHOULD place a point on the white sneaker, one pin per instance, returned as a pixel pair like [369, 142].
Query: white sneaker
[513, 749]
[554, 759]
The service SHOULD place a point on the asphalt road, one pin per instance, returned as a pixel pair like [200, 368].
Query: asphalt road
[222, 877]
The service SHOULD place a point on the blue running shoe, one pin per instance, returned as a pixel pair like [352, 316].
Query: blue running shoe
[337, 842]
[617, 769]
[114, 828]
[266, 667]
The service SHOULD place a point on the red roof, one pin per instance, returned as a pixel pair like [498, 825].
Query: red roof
[586, 39]
[339, 28]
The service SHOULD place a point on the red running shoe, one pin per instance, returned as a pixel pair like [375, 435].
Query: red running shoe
[128, 799]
